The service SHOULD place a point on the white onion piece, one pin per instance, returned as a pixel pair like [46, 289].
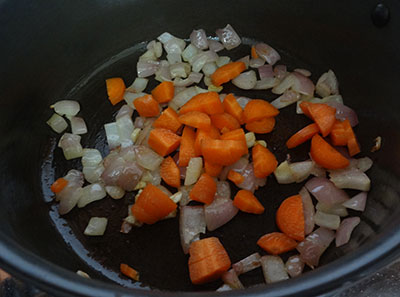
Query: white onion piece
[251, 182]
[336, 209]
[112, 135]
[215, 45]
[128, 153]
[147, 68]
[57, 123]
[327, 84]
[152, 177]
[301, 170]
[243, 101]
[147, 158]
[91, 193]
[189, 52]
[144, 134]
[347, 226]
[149, 55]
[285, 84]
[325, 191]
[138, 85]
[181, 98]
[223, 189]
[219, 212]
[280, 71]
[174, 58]
[163, 73]
[199, 39]
[71, 146]
[314, 245]
[191, 224]
[239, 166]
[223, 60]
[229, 38]
[78, 125]
[246, 80]
[266, 83]
[357, 202]
[267, 53]
[115, 192]
[124, 110]
[326, 220]
[195, 77]
[165, 37]
[209, 68]
[193, 171]
[344, 112]
[70, 198]
[266, 71]
[308, 210]
[273, 269]
[224, 288]
[230, 278]
[350, 178]
[185, 199]
[74, 178]
[318, 170]
[91, 157]
[326, 100]
[303, 84]
[256, 63]
[294, 266]
[130, 97]
[180, 70]
[171, 43]
[139, 122]
[93, 173]
[283, 174]
[67, 107]
[125, 129]
[96, 226]
[363, 164]
[303, 72]
[287, 98]
[247, 264]
[245, 60]
[156, 47]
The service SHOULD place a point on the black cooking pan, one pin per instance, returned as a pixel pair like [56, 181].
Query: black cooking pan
[65, 49]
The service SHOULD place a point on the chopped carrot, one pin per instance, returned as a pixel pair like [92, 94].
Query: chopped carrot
[324, 116]
[196, 119]
[208, 103]
[247, 202]
[342, 134]
[325, 155]
[222, 152]
[212, 169]
[168, 119]
[225, 130]
[201, 134]
[163, 141]
[224, 120]
[305, 108]
[208, 260]
[235, 177]
[115, 89]
[152, 205]
[186, 150]
[204, 189]
[146, 106]
[170, 173]
[164, 92]
[232, 107]
[290, 217]
[129, 271]
[276, 243]
[237, 134]
[302, 135]
[262, 126]
[258, 109]
[227, 72]
[264, 161]
[254, 54]
[353, 147]
[58, 185]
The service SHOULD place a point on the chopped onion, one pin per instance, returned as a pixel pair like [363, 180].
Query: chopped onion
[363, 164]
[239, 166]
[189, 52]
[139, 122]
[326, 220]
[245, 60]
[314, 245]
[147, 158]
[357, 202]
[318, 170]
[266, 83]
[377, 144]
[112, 135]
[138, 85]
[251, 182]
[280, 71]
[91, 193]
[303, 72]
[147, 68]
[193, 171]
[119, 172]
[171, 43]
[74, 178]
[229, 38]
[230, 278]
[91, 157]
[68, 198]
[215, 45]
[180, 70]
[347, 226]
[71, 146]
[185, 190]
[243, 101]
[125, 129]
[152, 177]
[294, 266]
[124, 110]
[144, 134]
[325, 191]
[223, 60]
[57, 123]
[182, 97]
[336, 209]
[115, 192]
[96, 226]
[67, 107]
[219, 212]
[303, 84]
[78, 125]
[199, 39]
[301, 170]
[308, 210]
[247, 264]
[163, 73]
[209, 68]
[93, 173]
[156, 47]
[149, 55]
[287, 98]
[131, 97]
[285, 84]
[350, 178]
[223, 189]
[283, 173]
[191, 224]
[256, 63]
[267, 53]
[246, 80]
[344, 112]
[266, 71]
[195, 77]
[273, 269]
[327, 84]
[224, 288]
[174, 58]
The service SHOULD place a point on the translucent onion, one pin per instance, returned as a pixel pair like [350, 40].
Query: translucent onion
[112, 135]
[71, 146]
[124, 110]
[327, 84]
[93, 173]
[273, 269]
[294, 266]
[219, 212]
[91, 193]
[347, 226]
[182, 97]
[284, 85]
[246, 80]
[96, 226]
[156, 47]
[363, 164]
[199, 39]
[131, 97]
[181, 70]
[147, 158]
[266, 83]
[326, 220]
[256, 63]
[266, 71]
[69, 198]
[303, 72]
[191, 224]
[138, 85]
[215, 45]
[189, 52]
[185, 190]
[325, 191]
[308, 210]
[115, 192]
[57, 123]
[229, 38]
[280, 71]
[125, 128]
[357, 202]
[350, 178]
[163, 73]
[67, 107]
[193, 171]
[267, 53]
[147, 68]
[247, 264]
[223, 60]
[230, 278]
[245, 60]
[78, 125]
[287, 98]
[303, 84]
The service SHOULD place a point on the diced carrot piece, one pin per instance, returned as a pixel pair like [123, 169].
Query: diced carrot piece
[305, 108]
[339, 134]
[208, 260]
[290, 217]
[258, 109]
[201, 134]
[227, 72]
[325, 155]
[262, 126]
[58, 185]
[302, 135]
[129, 271]
[168, 119]
[164, 92]
[222, 152]
[146, 106]
[212, 169]
[254, 54]
[235, 177]
[196, 119]
[115, 89]
[163, 141]
[264, 161]
[237, 134]
[170, 173]
[186, 150]
[204, 189]
[353, 146]
[208, 103]
[324, 116]
[247, 202]
[224, 120]
[276, 243]
[232, 107]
